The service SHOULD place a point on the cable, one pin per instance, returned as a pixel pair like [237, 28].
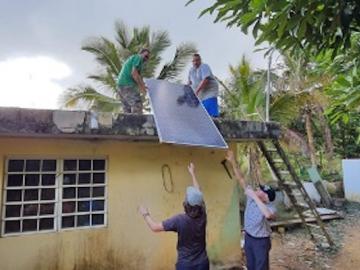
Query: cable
[165, 168]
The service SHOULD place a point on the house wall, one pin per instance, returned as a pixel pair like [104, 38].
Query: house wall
[134, 177]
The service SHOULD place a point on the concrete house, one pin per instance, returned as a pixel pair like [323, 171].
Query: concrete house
[71, 183]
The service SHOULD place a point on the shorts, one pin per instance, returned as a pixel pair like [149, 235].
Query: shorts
[211, 106]
[130, 99]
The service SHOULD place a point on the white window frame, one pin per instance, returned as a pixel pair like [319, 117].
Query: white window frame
[76, 185]
[58, 194]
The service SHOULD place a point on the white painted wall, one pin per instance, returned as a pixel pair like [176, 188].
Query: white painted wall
[351, 172]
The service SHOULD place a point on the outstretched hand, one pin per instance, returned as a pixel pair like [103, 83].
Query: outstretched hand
[238, 174]
[143, 210]
[191, 168]
[230, 156]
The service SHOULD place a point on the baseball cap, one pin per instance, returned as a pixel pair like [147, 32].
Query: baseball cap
[269, 191]
[194, 196]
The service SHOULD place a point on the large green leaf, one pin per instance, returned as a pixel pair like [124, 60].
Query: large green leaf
[316, 26]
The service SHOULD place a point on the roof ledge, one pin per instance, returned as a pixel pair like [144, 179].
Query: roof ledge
[18, 122]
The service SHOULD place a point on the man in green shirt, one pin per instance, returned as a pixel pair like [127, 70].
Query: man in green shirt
[130, 81]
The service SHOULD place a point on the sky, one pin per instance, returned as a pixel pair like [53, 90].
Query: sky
[40, 53]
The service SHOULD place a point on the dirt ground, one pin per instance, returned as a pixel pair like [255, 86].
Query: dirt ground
[294, 250]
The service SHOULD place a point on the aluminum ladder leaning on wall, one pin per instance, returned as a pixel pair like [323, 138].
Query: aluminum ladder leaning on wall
[275, 156]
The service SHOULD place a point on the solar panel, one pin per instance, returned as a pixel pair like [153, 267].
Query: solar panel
[180, 117]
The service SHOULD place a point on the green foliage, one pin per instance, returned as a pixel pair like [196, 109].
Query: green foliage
[315, 25]
[327, 35]
[173, 68]
[244, 96]
[346, 93]
[110, 56]
[346, 137]
[344, 90]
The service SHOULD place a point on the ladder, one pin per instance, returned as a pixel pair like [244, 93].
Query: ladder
[276, 158]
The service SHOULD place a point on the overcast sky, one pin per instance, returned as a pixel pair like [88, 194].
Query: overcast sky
[40, 43]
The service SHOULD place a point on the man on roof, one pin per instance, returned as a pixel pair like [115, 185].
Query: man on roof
[204, 84]
[130, 82]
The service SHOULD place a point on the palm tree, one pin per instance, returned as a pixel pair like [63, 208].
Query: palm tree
[301, 81]
[110, 56]
[243, 98]
[244, 95]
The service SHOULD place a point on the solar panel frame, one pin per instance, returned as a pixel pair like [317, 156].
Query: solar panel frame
[152, 83]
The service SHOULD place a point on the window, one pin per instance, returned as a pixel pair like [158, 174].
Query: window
[49, 195]
[83, 193]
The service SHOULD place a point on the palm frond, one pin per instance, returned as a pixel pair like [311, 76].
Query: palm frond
[71, 97]
[140, 38]
[182, 55]
[284, 107]
[245, 98]
[159, 42]
[106, 53]
[106, 79]
[122, 34]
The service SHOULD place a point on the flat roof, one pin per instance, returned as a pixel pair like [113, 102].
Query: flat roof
[19, 122]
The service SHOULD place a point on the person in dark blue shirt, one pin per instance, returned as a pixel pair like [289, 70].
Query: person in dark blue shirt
[189, 226]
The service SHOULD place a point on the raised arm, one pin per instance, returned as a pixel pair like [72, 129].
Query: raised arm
[263, 208]
[191, 169]
[238, 174]
[152, 224]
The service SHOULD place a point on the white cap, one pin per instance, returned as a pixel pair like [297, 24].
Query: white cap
[194, 196]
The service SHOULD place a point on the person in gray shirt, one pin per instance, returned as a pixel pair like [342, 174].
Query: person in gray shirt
[204, 84]
[258, 212]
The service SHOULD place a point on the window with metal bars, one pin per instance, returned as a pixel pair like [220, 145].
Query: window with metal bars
[44, 195]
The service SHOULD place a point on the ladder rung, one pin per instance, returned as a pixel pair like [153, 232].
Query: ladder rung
[319, 235]
[296, 192]
[291, 185]
[313, 225]
[302, 205]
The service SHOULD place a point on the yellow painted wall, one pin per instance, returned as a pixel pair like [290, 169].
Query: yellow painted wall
[134, 177]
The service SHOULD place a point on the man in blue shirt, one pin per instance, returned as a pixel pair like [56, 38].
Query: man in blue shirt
[189, 226]
[204, 84]
[258, 212]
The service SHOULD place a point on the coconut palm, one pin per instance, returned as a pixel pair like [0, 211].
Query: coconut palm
[294, 91]
[111, 55]
[302, 81]
[243, 98]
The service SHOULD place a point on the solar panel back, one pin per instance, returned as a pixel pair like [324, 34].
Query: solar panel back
[179, 116]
